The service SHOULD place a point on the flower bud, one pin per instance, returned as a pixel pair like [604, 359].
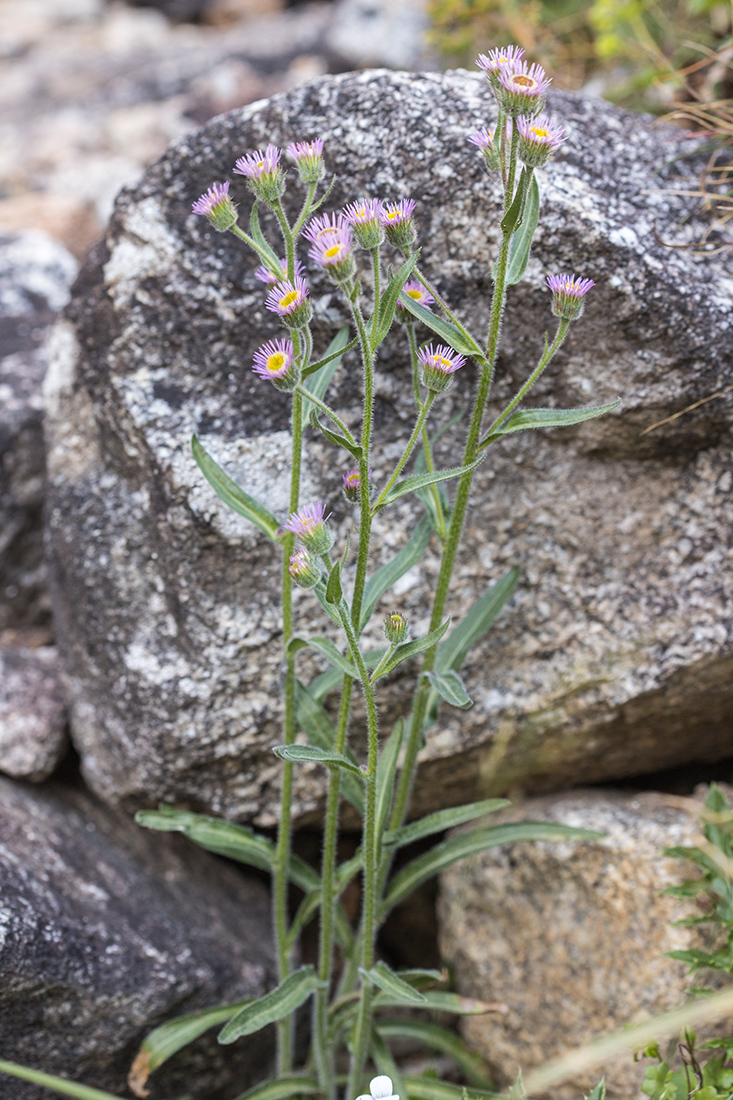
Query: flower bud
[305, 569]
[217, 207]
[352, 485]
[308, 159]
[396, 628]
[439, 364]
[568, 292]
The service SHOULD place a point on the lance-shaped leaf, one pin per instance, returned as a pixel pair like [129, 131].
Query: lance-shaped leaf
[410, 554]
[258, 236]
[332, 678]
[56, 1084]
[525, 419]
[450, 687]
[335, 437]
[389, 982]
[386, 770]
[442, 820]
[522, 239]
[454, 650]
[445, 329]
[320, 730]
[419, 481]
[334, 591]
[325, 359]
[447, 1002]
[410, 649]
[281, 1002]
[512, 216]
[232, 495]
[391, 296]
[327, 649]
[282, 1088]
[440, 1039]
[599, 1092]
[386, 1064]
[430, 1088]
[470, 843]
[308, 754]
[427, 496]
[318, 382]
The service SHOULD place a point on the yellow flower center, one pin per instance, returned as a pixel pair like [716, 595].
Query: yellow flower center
[275, 362]
[416, 294]
[331, 252]
[391, 214]
[260, 164]
[289, 299]
[523, 81]
[539, 131]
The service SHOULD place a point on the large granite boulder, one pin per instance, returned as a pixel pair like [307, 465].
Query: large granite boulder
[107, 931]
[615, 655]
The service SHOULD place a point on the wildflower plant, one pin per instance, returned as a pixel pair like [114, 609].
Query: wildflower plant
[352, 995]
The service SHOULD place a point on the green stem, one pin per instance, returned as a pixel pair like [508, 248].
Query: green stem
[288, 237]
[365, 511]
[305, 210]
[427, 449]
[509, 192]
[264, 256]
[446, 308]
[303, 392]
[419, 425]
[376, 281]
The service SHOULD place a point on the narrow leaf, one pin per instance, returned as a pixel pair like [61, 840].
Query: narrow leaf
[308, 754]
[449, 685]
[454, 650]
[288, 996]
[332, 679]
[257, 235]
[282, 1088]
[341, 351]
[426, 496]
[448, 331]
[386, 770]
[388, 304]
[410, 554]
[319, 381]
[334, 437]
[526, 419]
[511, 217]
[57, 1084]
[169, 1038]
[320, 730]
[430, 1088]
[419, 481]
[386, 1064]
[447, 1002]
[439, 1038]
[470, 843]
[334, 591]
[599, 1092]
[389, 982]
[410, 649]
[522, 239]
[327, 649]
[441, 820]
[232, 495]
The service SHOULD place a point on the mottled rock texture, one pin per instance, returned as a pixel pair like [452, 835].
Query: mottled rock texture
[571, 936]
[33, 735]
[614, 657]
[35, 276]
[106, 931]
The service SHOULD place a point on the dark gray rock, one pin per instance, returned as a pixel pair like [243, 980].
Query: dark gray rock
[615, 655]
[35, 275]
[33, 736]
[106, 931]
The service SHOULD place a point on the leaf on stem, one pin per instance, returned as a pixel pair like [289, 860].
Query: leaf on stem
[257, 235]
[441, 820]
[522, 240]
[382, 976]
[419, 481]
[450, 687]
[386, 770]
[320, 730]
[281, 1089]
[599, 1092]
[334, 437]
[56, 1084]
[453, 1003]
[410, 649]
[169, 1038]
[429, 1088]
[511, 218]
[439, 1038]
[448, 331]
[334, 591]
[386, 1064]
[289, 995]
[232, 495]
[320, 379]
[391, 296]
[524, 419]
[327, 649]
[410, 554]
[309, 754]
[470, 843]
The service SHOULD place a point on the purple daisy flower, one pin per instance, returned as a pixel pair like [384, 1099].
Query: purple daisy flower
[483, 139]
[323, 225]
[438, 364]
[522, 89]
[266, 276]
[568, 292]
[537, 139]
[415, 290]
[333, 252]
[308, 159]
[499, 60]
[396, 217]
[364, 217]
[305, 569]
[352, 485]
[290, 301]
[264, 175]
[310, 525]
[217, 207]
[274, 361]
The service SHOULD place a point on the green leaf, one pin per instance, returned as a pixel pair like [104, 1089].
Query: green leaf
[338, 354]
[320, 730]
[441, 820]
[282, 1088]
[334, 591]
[327, 649]
[57, 1084]
[470, 843]
[289, 995]
[426, 496]
[454, 650]
[234, 497]
[450, 687]
[439, 1038]
[510, 219]
[522, 239]
[419, 481]
[526, 419]
[389, 982]
[410, 649]
[410, 554]
[430, 1088]
[452, 336]
[453, 1003]
[318, 382]
[386, 770]
[599, 1092]
[334, 437]
[165, 1041]
[386, 1064]
[388, 304]
[257, 235]
[308, 754]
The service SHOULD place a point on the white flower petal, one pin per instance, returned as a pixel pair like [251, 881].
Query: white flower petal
[381, 1088]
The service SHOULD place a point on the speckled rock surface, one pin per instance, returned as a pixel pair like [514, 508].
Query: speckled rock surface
[615, 654]
[570, 936]
[33, 735]
[106, 931]
[35, 276]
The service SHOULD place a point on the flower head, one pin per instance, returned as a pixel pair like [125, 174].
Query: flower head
[290, 301]
[537, 139]
[483, 139]
[264, 175]
[333, 252]
[396, 217]
[352, 485]
[396, 631]
[568, 292]
[323, 226]
[274, 361]
[499, 60]
[305, 569]
[419, 294]
[308, 159]
[380, 1088]
[266, 276]
[217, 207]
[438, 364]
[310, 525]
[364, 218]
[522, 89]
